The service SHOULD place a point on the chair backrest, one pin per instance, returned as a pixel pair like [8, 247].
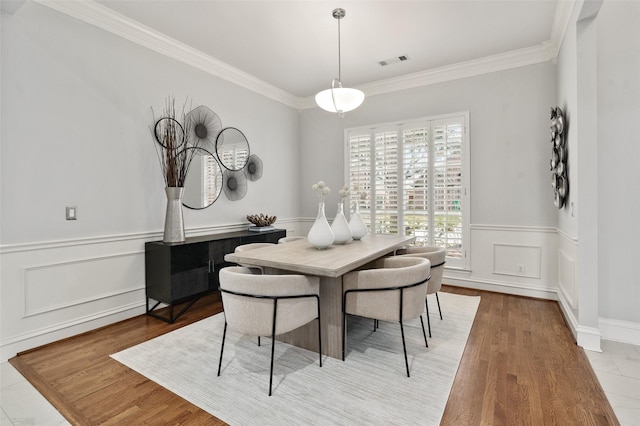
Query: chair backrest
[291, 238]
[436, 256]
[388, 272]
[251, 246]
[248, 300]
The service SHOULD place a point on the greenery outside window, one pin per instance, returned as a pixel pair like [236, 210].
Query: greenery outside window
[415, 175]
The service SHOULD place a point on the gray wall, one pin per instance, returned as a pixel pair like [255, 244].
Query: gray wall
[509, 140]
[76, 113]
[618, 69]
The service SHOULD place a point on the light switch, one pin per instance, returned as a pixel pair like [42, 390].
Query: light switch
[72, 213]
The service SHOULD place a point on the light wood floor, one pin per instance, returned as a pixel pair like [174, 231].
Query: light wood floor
[520, 367]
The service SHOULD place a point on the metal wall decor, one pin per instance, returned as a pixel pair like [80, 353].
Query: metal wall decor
[203, 126]
[235, 184]
[559, 177]
[253, 168]
[208, 174]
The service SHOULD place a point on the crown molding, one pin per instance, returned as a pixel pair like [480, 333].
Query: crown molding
[106, 19]
[488, 64]
[561, 20]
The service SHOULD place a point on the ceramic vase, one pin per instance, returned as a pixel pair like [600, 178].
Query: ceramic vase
[358, 228]
[173, 221]
[340, 227]
[320, 235]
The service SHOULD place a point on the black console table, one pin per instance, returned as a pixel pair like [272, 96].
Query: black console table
[182, 272]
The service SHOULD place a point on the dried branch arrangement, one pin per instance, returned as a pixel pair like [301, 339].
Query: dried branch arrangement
[261, 219]
[174, 150]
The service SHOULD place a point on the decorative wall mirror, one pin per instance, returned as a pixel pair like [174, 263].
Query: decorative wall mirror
[203, 183]
[232, 149]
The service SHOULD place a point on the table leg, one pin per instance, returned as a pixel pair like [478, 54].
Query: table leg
[331, 317]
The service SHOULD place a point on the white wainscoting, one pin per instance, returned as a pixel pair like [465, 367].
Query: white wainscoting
[58, 289]
[54, 290]
[510, 259]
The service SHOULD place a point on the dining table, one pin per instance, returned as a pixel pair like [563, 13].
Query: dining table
[330, 265]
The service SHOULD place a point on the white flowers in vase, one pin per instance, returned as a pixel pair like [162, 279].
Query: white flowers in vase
[322, 190]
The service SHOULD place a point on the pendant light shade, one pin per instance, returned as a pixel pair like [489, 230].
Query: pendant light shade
[339, 99]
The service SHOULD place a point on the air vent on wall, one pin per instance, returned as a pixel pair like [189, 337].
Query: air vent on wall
[394, 60]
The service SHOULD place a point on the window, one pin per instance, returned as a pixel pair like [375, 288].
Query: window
[415, 176]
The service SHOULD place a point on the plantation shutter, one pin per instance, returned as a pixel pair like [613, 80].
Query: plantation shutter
[415, 193]
[447, 185]
[385, 213]
[415, 177]
[359, 164]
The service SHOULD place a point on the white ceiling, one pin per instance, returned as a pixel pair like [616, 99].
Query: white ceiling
[288, 50]
[293, 45]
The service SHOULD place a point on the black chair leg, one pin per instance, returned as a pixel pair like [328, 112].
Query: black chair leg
[426, 303]
[438, 300]
[344, 332]
[423, 332]
[319, 334]
[273, 343]
[258, 340]
[224, 335]
[404, 346]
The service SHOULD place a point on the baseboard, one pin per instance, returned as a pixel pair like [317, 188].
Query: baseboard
[501, 287]
[586, 337]
[43, 336]
[620, 331]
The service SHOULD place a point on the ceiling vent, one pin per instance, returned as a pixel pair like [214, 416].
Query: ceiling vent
[394, 60]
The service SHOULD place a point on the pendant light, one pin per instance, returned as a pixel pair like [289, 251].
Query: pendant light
[339, 99]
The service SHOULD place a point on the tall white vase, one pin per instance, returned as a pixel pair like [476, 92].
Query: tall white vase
[340, 227]
[320, 235]
[358, 228]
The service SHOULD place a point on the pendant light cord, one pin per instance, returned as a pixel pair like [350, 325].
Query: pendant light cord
[339, 55]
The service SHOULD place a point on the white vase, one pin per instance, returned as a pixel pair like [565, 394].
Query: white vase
[320, 235]
[340, 227]
[358, 228]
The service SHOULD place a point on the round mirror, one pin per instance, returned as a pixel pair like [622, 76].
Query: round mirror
[203, 183]
[232, 148]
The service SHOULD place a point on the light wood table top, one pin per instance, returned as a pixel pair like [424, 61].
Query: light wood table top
[301, 257]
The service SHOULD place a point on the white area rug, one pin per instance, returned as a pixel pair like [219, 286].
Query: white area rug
[371, 387]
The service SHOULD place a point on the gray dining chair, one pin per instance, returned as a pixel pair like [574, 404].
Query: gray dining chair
[252, 246]
[436, 256]
[268, 305]
[392, 290]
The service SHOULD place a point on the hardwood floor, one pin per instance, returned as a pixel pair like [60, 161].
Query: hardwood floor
[520, 366]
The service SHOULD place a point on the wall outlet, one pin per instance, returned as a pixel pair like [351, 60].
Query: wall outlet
[520, 269]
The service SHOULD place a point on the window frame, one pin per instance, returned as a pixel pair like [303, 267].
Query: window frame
[399, 127]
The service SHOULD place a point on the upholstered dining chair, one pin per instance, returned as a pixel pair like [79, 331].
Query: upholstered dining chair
[392, 290]
[436, 256]
[291, 238]
[252, 246]
[268, 305]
